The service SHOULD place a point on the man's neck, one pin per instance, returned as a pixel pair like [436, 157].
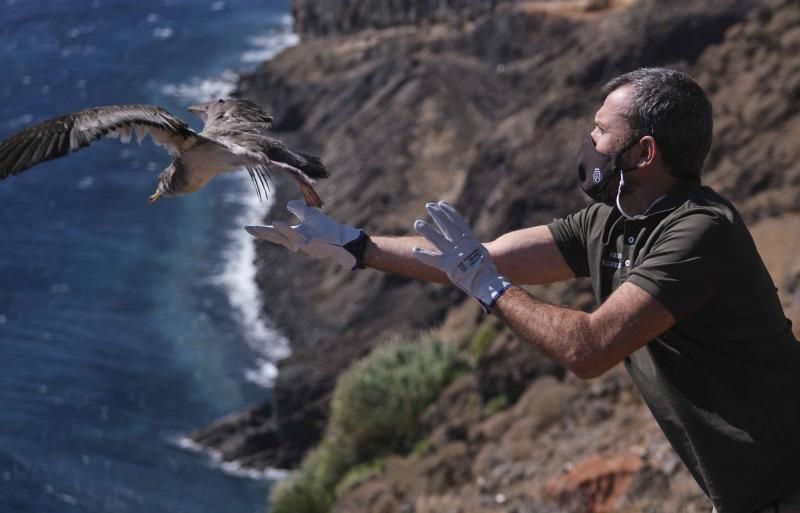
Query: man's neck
[644, 196]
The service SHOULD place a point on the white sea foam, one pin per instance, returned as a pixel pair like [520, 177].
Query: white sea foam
[264, 374]
[203, 89]
[269, 474]
[19, 121]
[262, 48]
[163, 32]
[238, 278]
[232, 467]
[85, 183]
[267, 47]
[238, 275]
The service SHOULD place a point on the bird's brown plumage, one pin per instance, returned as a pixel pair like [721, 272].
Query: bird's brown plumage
[234, 136]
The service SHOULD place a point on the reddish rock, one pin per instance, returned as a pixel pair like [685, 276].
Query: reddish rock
[600, 483]
[373, 496]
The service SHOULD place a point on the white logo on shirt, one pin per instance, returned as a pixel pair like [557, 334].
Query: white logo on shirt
[614, 261]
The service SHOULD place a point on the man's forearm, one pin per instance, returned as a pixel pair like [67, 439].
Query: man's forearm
[512, 252]
[557, 332]
[586, 344]
[395, 255]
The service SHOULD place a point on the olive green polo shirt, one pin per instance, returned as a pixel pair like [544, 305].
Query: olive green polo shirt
[724, 382]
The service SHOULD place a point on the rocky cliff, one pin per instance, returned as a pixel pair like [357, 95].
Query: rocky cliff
[483, 103]
[314, 18]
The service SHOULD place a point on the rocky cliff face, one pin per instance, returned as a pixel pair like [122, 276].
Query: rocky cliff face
[315, 18]
[484, 105]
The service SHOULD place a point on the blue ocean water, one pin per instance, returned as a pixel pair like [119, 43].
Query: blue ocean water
[124, 325]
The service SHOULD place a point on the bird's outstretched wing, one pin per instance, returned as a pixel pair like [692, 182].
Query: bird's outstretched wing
[59, 136]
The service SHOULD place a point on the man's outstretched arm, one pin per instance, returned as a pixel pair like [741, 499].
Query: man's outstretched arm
[395, 255]
[320, 236]
[586, 344]
[514, 254]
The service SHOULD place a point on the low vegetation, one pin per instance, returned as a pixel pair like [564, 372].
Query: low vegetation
[376, 410]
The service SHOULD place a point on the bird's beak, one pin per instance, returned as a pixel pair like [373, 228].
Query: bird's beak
[198, 109]
[154, 197]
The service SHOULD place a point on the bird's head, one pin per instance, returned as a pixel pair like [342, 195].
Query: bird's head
[201, 109]
[231, 109]
[170, 183]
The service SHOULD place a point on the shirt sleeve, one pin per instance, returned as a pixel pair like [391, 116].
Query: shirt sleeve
[690, 262]
[571, 234]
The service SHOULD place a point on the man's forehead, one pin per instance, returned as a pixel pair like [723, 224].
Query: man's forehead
[615, 107]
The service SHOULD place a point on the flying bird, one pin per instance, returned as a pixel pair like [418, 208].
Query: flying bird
[234, 137]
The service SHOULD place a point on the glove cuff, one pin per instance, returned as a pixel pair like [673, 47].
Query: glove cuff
[492, 291]
[357, 247]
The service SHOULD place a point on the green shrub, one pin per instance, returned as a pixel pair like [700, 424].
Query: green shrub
[375, 410]
[482, 340]
[378, 401]
[329, 462]
[358, 475]
[496, 404]
[311, 489]
[298, 495]
[422, 448]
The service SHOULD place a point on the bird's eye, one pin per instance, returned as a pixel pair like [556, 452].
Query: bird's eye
[220, 100]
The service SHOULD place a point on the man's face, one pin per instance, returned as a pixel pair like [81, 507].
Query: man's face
[611, 129]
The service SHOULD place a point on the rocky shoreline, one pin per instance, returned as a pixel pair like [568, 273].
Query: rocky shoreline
[484, 106]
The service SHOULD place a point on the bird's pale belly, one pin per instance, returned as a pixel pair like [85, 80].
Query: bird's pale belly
[203, 162]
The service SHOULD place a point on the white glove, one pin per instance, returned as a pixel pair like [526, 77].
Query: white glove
[317, 235]
[465, 260]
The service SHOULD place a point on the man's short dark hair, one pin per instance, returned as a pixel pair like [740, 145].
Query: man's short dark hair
[674, 109]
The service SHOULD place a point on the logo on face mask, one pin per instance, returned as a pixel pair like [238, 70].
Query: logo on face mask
[597, 176]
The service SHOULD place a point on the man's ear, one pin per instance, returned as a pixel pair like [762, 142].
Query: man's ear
[650, 151]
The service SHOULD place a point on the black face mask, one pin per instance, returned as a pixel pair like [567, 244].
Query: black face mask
[595, 170]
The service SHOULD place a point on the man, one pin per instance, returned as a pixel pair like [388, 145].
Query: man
[685, 300]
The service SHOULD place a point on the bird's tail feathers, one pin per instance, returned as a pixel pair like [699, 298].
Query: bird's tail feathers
[306, 183]
[261, 179]
[313, 166]
[309, 165]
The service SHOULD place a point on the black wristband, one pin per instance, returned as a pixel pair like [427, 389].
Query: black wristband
[357, 247]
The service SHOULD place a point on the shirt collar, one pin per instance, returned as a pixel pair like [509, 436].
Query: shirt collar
[662, 205]
[673, 199]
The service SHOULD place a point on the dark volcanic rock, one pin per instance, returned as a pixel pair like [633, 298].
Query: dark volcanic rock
[510, 366]
[249, 437]
[326, 17]
[754, 84]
